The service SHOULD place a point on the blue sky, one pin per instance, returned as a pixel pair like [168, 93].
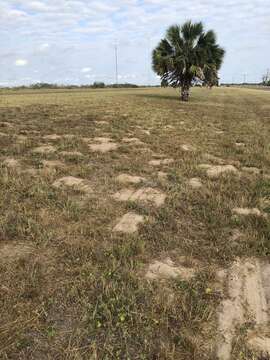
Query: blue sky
[72, 41]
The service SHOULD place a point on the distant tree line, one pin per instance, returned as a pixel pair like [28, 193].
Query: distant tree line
[95, 85]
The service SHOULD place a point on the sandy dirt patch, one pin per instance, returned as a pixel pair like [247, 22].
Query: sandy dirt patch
[186, 147]
[74, 183]
[129, 223]
[12, 163]
[214, 159]
[129, 179]
[162, 176]
[169, 127]
[147, 194]
[103, 145]
[214, 172]
[52, 137]
[71, 154]
[248, 299]
[159, 162]
[44, 149]
[195, 183]
[101, 122]
[167, 269]
[133, 141]
[53, 164]
[247, 211]
[146, 132]
[240, 144]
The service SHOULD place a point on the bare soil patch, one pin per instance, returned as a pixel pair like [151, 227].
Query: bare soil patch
[187, 147]
[52, 137]
[129, 179]
[44, 149]
[248, 300]
[53, 164]
[133, 141]
[247, 211]
[147, 194]
[71, 154]
[74, 183]
[159, 162]
[12, 163]
[195, 183]
[167, 269]
[103, 145]
[129, 223]
[214, 172]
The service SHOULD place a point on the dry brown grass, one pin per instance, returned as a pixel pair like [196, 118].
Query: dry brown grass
[76, 289]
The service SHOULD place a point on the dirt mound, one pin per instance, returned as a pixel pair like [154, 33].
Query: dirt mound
[103, 145]
[44, 149]
[167, 269]
[12, 163]
[148, 194]
[74, 183]
[214, 159]
[71, 153]
[129, 223]
[195, 183]
[133, 141]
[159, 162]
[215, 171]
[247, 211]
[162, 176]
[52, 137]
[129, 179]
[53, 164]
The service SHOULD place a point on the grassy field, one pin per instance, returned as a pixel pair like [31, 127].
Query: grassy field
[180, 276]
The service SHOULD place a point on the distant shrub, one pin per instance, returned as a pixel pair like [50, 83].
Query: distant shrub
[98, 85]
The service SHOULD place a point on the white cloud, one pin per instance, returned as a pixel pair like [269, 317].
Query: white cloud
[43, 47]
[86, 70]
[88, 76]
[21, 62]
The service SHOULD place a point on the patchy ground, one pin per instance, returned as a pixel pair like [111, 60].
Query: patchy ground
[133, 226]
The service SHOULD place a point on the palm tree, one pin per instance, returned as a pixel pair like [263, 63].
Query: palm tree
[186, 53]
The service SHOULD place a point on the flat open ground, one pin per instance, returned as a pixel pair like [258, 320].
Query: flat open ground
[133, 226]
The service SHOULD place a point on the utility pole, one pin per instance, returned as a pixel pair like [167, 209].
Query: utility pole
[116, 63]
[148, 61]
[244, 78]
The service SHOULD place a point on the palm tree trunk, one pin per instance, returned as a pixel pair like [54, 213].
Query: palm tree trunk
[185, 92]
